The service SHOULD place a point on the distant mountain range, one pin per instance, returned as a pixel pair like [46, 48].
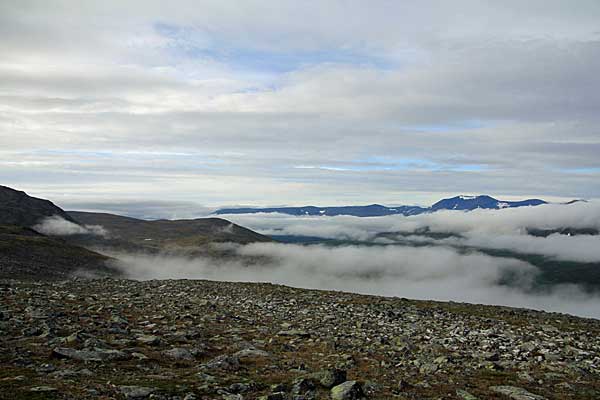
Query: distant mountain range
[462, 203]
[373, 210]
[469, 203]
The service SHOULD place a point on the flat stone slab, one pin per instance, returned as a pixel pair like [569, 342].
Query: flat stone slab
[516, 393]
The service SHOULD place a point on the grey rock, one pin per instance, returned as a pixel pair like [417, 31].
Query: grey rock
[525, 376]
[80, 355]
[275, 396]
[111, 354]
[428, 368]
[232, 397]
[240, 387]
[179, 353]
[349, 390]
[330, 378]
[149, 340]
[136, 392]
[371, 388]
[463, 394]
[89, 355]
[73, 338]
[516, 393]
[93, 342]
[46, 368]
[70, 373]
[223, 362]
[43, 389]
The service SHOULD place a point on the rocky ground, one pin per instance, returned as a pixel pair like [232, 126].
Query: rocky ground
[117, 339]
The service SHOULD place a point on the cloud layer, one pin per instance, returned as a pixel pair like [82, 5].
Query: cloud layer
[419, 273]
[436, 271]
[498, 229]
[57, 226]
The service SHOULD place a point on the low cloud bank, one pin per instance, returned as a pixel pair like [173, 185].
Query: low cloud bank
[57, 226]
[580, 248]
[499, 229]
[437, 273]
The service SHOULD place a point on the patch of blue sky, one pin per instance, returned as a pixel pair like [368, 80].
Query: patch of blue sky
[587, 170]
[391, 163]
[449, 127]
[467, 168]
[82, 153]
[342, 168]
[374, 164]
[193, 44]
[279, 63]
[131, 154]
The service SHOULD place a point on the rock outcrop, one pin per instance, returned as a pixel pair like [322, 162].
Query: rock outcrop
[177, 340]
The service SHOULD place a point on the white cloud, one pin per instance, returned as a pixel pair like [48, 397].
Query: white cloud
[498, 229]
[57, 226]
[509, 87]
[420, 273]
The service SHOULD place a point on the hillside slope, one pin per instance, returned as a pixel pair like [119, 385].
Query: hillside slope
[169, 233]
[26, 254]
[176, 339]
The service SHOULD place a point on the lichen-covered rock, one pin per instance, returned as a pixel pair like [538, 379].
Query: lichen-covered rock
[464, 395]
[303, 387]
[349, 390]
[248, 354]
[330, 377]
[150, 340]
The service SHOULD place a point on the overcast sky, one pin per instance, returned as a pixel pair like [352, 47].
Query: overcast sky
[324, 102]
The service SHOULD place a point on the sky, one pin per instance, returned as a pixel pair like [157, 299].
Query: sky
[112, 104]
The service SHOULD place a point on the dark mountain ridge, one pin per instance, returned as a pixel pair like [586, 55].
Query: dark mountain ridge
[468, 203]
[372, 210]
[18, 208]
[463, 203]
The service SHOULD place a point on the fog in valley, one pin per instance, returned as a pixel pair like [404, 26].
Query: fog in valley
[499, 229]
[57, 226]
[422, 267]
